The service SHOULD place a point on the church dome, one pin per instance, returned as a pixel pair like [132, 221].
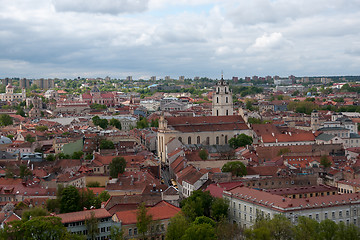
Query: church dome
[5, 140]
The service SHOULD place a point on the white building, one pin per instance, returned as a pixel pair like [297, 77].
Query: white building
[10, 96]
[246, 204]
[222, 102]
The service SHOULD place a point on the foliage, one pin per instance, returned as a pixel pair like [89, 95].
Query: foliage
[88, 199]
[98, 106]
[116, 123]
[154, 123]
[50, 157]
[5, 120]
[24, 171]
[177, 227]
[77, 155]
[253, 120]
[244, 91]
[92, 226]
[219, 209]
[89, 157]
[240, 140]
[302, 107]
[93, 184]
[20, 112]
[236, 168]
[325, 162]
[142, 123]
[63, 156]
[41, 128]
[227, 230]
[34, 212]
[199, 231]
[103, 123]
[143, 219]
[117, 165]
[106, 144]
[203, 154]
[116, 233]
[104, 196]
[53, 205]
[29, 138]
[10, 136]
[70, 200]
[197, 205]
[249, 105]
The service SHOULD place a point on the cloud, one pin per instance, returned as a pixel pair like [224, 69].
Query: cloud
[101, 6]
[268, 42]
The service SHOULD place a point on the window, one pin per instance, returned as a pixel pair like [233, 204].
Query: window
[333, 215]
[326, 216]
[135, 231]
[217, 141]
[217, 112]
[217, 100]
[198, 140]
[347, 213]
[207, 141]
[130, 231]
[227, 100]
[227, 112]
[317, 217]
[189, 140]
[226, 138]
[180, 139]
[340, 213]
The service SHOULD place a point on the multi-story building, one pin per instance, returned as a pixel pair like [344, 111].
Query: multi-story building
[44, 83]
[222, 102]
[75, 222]
[10, 96]
[246, 204]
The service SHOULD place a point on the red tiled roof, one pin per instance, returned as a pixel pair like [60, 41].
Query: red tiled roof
[83, 215]
[160, 211]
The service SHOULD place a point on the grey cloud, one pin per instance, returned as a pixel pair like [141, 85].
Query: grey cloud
[101, 6]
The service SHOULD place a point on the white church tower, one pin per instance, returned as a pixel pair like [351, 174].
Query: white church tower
[222, 104]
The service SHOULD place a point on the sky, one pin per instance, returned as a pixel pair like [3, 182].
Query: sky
[144, 38]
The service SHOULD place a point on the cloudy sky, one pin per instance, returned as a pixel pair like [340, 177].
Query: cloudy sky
[117, 38]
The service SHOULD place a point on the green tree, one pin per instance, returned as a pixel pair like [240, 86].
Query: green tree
[347, 232]
[219, 209]
[143, 220]
[203, 154]
[24, 171]
[117, 165]
[5, 120]
[197, 205]
[236, 168]
[240, 140]
[93, 184]
[177, 227]
[70, 200]
[142, 123]
[199, 231]
[50, 157]
[41, 128]
[77, 155]
[10, 136]
[325, 162]
[104, 196]
[29, 138]
[20, 112]
[92, 226]
[116, 233]
[34, 212]
[306, 229]
[88, 199]
[116, 123]
[328, 229]
[227, 230]
[53, 205]
[106, 144]
[154, 123]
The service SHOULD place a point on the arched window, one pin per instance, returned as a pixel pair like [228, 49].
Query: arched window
[189, 140]
[198, 140]
[227, 112]
[217, 100]
[226, 139]
[217, 140]
[217, 112]
[227, 99]
[207, 141]
[180, 139]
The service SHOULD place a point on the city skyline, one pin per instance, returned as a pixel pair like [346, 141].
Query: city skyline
[119, 38]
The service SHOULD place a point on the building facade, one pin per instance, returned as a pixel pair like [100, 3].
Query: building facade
[222, 102]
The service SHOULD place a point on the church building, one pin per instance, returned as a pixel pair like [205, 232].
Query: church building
[206, 130]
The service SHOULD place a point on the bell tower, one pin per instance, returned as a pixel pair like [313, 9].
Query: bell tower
[222, 103]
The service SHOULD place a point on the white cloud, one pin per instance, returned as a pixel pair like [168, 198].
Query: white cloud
[101, 6]
[268, 41]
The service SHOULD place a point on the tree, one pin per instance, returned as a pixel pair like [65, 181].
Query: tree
[50, 157]
[92, 226]
[325, 162]
[24, 171]
[10, 136]
[5, 120]
[103, 123]
[199, 231]
[116, 123]
[70, 200]
[306, 229]
[116, 233]
[240, 141]
[177, 227]
[203, 154]
[197, 205]
[143, 220]
[104, 196]
[53, 205]
[154, 123]
[117, 165]
[29, 138]
[93, 184]
[77, 155]
[227, 230]
[41, 128]
[236, 168]
[142, 123]
[219, 209]
[34, 212]
[106, 144]
[20, 112]
[88, 199]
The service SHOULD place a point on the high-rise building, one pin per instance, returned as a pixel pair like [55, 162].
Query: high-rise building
[129, 78]
[7, 81]
[24, 83]
[44, 83]
[181, 78]
[167, 78]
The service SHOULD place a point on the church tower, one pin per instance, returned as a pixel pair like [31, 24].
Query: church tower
[315, 123]
[222, 104]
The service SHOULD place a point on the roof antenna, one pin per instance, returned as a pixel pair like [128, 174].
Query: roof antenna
[222, 74]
